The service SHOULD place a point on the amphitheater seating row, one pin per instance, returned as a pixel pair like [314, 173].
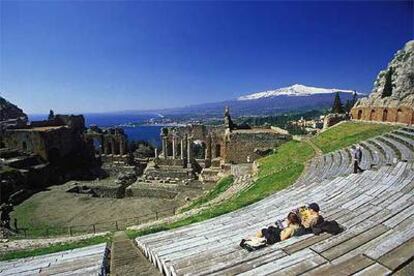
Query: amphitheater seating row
[375, 207]
[386, 149]
[83, 261]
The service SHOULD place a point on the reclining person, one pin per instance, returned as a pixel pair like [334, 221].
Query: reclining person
[309, 216]
[275, 234]
[281, 231]
[313, 222]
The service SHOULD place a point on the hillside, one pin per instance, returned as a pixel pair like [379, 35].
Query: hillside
[10, 111]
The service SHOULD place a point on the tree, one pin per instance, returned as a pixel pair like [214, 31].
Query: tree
[387, 91]
[51, 115]
[350, 103]
[348, 106]
[337, 105]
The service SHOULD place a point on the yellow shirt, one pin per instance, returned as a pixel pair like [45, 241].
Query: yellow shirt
[307, 217]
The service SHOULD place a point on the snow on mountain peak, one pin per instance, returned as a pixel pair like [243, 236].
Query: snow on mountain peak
[294, 90]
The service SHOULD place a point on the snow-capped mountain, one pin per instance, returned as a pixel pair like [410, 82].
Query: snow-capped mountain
[295, 98]
[294, 90]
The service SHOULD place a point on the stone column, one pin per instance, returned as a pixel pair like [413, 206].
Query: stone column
[189, 142]
[105, 146]
[208, 155]
[173, 147]
[182, 149]
[165, 147]
[208, 152]
[113, 147]
[155, 153]
[122, 147]
[213, 148]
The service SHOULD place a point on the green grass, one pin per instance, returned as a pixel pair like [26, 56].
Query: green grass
[55, 248]
[221, 186]
[35, 228]
[347, 134]
[277, 172]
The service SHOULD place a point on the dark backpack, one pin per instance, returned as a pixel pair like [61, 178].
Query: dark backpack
[331, 227]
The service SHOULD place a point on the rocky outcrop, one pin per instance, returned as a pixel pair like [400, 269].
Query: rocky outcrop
[392, 97]
[9, 111]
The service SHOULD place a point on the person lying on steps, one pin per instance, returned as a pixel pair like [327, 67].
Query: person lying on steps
[274, 234]
[309, 216]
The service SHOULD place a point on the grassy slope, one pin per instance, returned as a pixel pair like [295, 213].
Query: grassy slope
[221, 186]
[347, 134]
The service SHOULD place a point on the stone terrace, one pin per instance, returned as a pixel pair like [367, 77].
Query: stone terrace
[89, 260]
[375, 208]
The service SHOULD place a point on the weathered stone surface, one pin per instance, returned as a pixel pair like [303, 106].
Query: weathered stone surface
[243, 146]
[333, 119]
[399, 106]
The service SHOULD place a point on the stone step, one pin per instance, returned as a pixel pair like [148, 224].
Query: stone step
[127, 259]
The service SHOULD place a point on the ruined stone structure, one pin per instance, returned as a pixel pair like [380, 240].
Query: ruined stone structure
[246, 145]
[333, 118]
[392, 98]
[108, 141]
[37, 154]
[53, 140]
[226, 143]
[207, 149]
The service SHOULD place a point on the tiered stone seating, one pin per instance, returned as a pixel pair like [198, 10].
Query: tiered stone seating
[375, 207]
[83, 261]
[398, 145]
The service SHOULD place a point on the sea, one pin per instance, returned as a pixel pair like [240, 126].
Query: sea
[134, 125]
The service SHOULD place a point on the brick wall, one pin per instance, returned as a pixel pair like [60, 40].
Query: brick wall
[403, 114]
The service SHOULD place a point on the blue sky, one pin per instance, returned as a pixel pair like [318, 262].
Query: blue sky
[104, 56]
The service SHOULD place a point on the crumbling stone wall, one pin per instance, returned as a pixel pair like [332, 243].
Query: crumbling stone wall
[243, 146]
[56, 142]
[333, 119]
[52, 139]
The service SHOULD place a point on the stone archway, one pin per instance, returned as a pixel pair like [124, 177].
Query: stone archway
[199, 149]
[412, 117]
[385, 115]
[399, 115]
[359, 116]
[372, 115]
[97, 144]
[218, 150]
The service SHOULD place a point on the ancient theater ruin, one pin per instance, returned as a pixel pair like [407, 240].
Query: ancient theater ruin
[207, 152]
[392, 98]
